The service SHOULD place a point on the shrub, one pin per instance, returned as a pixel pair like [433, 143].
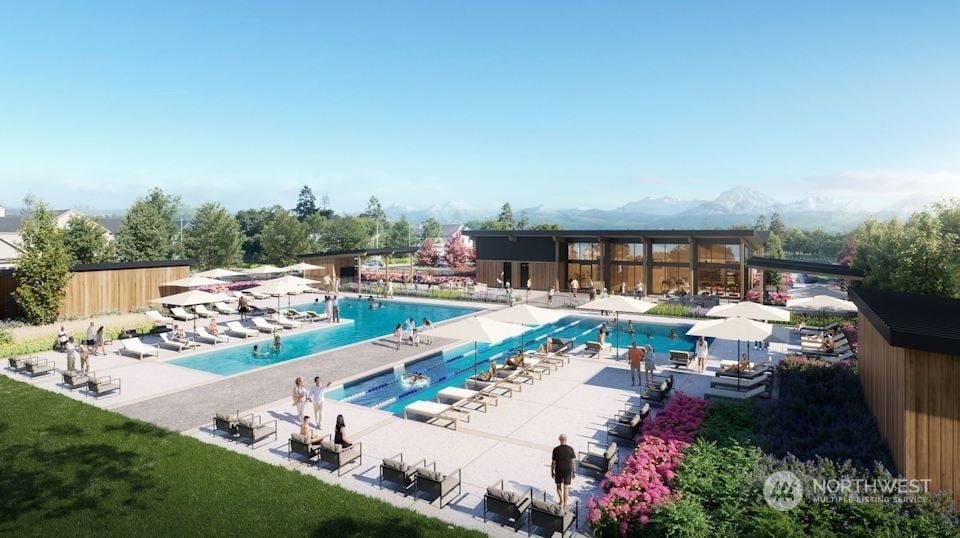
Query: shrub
[729, 422]
[676, 311]
[682, 518]
[45, 343]
[678, 420]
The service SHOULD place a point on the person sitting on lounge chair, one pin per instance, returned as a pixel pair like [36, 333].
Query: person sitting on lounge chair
[213, 328]
[489, 375]
[828, 346]
[306, 432]
[179, 335]
[514, 362]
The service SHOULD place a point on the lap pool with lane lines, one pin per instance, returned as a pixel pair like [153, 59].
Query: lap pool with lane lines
[367, 324]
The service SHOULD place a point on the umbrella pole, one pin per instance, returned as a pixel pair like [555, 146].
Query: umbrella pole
[616, 315]
[475, 359]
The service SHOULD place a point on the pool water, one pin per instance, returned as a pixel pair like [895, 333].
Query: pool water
[366, 324]
[453, 366]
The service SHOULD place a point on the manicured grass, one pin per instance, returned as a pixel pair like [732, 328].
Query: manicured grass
[71, 469]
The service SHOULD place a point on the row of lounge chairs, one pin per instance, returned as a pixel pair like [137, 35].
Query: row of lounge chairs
[249, 428]
[733, 383]
[539, 513]
[72, 379]
[325, 451]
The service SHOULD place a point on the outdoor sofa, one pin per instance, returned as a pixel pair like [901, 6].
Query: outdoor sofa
[509, 504]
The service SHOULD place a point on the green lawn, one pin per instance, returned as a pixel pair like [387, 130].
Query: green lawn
[69, 469]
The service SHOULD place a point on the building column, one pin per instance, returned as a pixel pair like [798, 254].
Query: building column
[647, 266]
[694, 263]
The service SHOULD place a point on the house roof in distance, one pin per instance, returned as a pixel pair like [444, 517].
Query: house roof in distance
[391, 251]
[922, 322]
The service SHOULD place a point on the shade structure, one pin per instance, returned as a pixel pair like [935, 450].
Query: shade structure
[822, 303]
[295, 280]
[264, 270]
[749, 310]
[281, 286]
[478, 329]
[191, 298]
[219, 273]
[193, 281]
[525, 314]
[618, 304]
[301, 267]
[732, 329]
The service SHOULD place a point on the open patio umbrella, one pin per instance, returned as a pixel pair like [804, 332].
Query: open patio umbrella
[264, 270]
[191, 298]
[478, 329]
[301, 267]
[822, 303]
[193, 281]
[278, 287]
[524, 314]
[732, 328]
[749, 310]
[219, 273]
[617, 304]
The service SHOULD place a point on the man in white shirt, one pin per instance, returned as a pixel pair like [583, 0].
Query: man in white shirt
[336, 309]
[316, 396]
[71, 354]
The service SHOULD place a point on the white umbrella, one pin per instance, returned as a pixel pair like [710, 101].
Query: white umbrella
[193, 281]
[732, 328]
[219, 273]
[749, 310]
[191, 298]
[295, 280]
[301, 267]
[817, 289]
[278, 287]
[264, 270]
[822, 302]
[617, 304]
[525, 314]
[478, 329]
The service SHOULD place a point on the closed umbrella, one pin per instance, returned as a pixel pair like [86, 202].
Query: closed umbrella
[478, 329]
[524, 314]
[617, 304]
[732, 328]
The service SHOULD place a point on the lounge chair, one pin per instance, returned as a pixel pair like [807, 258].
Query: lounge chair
[310, 315]
[134, 347]
[167, 342]
[236, 329]
[515, 375]
[509, 504]
[623, 428]
[75, 379]
[224, 308]
[732, 365]
[35, 367]
[395, 471]
[98, 386]
[433, 482]
[293, 314]
[734, 394]
[181, 314]
[630, 410]
[457, 394]
[226, 422]
[819, 330]
[552, 516]
[157, 318]
[593, 349]
[473, 402]
[338, 455]
[309, 448]
[203, 335]
[202, 311]
[538, 366]
[18, 363]
[742, 383]
[817, 353]
[252, 429]
[265, 326]
[285, 322]
[681, 358]
[491, 388]
[435, 413]
[601, 462]
[258, 295]
[845, 355]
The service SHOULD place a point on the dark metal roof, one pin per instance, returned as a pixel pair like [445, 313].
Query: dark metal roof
[360, 252]
[757, 237]
[129, 265]
[799, 266]
[922, 322]
[112, 224]
[10, 223]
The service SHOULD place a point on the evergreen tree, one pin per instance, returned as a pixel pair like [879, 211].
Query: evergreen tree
[523, 221]
[401, 233]
[148, 231]
[456, 253]
[87, 242]
[427, 254]
[776, 225]
[306, 204]
[761, 223]
[505, 219]
[43, 270]
[773, 249]
[283, 238]
[325, 210]
[212, 239]
[431, 229]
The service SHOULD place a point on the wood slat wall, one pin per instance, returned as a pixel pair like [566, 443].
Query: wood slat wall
[542, 275]
[121, 290]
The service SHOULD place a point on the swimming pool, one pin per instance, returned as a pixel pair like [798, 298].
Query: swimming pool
[452, 367]
[366, 324]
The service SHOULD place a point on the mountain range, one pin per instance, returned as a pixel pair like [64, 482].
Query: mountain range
[738, 206]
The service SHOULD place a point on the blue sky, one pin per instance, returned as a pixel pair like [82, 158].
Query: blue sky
[580, 104]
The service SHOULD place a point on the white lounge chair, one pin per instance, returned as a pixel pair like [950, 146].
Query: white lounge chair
[224, 308]
[285, 322]
[166, 342]
[204, 336]
[234, 328]
[734, 394]
[202, 311]
[313, 316]
[181, 314]
[134, 347]
[436, 412]
[265, 326]
[293, 314]
[158, 318]
[462, 397]
[258, 295]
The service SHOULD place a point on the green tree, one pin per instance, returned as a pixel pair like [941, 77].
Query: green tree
[283, 238]
[212, 239]
[43, 269]
[325, 210]
[401, 233]
[431, 229]
[505, 219]
[761, 223]
[776, 225]
[923, 267]
[306, 204]
[148, 231]
[344, 233]
[87, 242]
[377, 219]
[773, 249]
[547, 226]
[252, 222]
[523, 222]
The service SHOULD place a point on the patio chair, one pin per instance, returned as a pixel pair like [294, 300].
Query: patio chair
[175, 345]
[98, 386]
[593, 349]
[437, 414]
[74, 379]
[623, 428]
[203, 335]
[598, 462]
[338, 455]
[265, 326]
[310, 315]
[513, 375]
[681, 358]
[251, 429]
[456, 394]
[202, 311]
[18, 363]
[552, 516]
[655, 393]
[630, 410]
[435, 483]
[509, 504]
[134, 347]
[395, 471]
[226, 422]
[236, 329]
[35, 367]
[181, 314]
[493, 389]
[303, 446]
[742, 383]
[293, 314]
[157, 318]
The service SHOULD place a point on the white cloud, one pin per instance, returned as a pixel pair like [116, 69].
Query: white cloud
[878, 189]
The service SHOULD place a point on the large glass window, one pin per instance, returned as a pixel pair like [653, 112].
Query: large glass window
[583, 251]
[718, 253]
[671, 253]
[627, 252]
[671, 280]
[625, 278]
[720, 282]
[584, 273]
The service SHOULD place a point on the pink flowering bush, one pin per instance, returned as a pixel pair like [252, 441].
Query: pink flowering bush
[778, 298]
[646, 478]
[753, 295]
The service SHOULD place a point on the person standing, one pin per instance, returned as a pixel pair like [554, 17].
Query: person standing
[702, 351]
[62, 338]
[100, 343]
[561, 468]
[84, 358]
[635, 356]
[243, 307]
[336, 309]
[649, 363]
[574, 285]
[71, 354]
[326, 282]
[317, 397]
[91, 337]
[328, 307]
[300, 397]
[550, 293]
[529, 288]
[398, 334]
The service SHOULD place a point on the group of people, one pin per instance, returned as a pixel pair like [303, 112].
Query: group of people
[331, 307]
[93, 344]
[409, 332]
[274, 348]
[641, 357]
[316, 395]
